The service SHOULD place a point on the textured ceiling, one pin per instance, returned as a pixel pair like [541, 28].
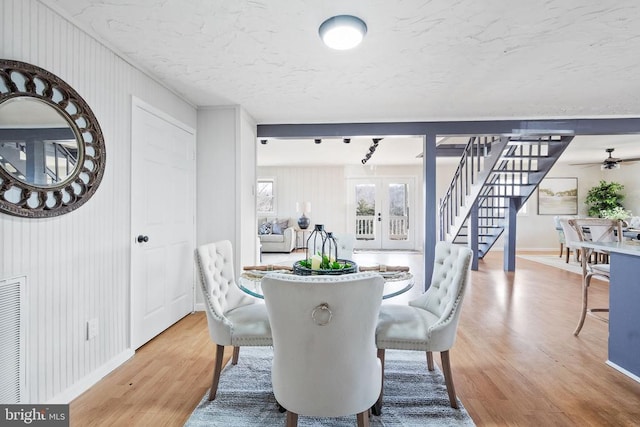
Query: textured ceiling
[420, 60]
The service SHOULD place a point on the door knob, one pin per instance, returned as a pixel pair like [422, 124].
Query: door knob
[142, 238]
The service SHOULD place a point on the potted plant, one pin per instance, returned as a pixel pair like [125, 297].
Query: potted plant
[604, 197]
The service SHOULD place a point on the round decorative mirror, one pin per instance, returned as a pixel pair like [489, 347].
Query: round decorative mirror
[52, 153]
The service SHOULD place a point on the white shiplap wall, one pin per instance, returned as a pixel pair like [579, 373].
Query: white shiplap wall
[323, 186]
[77, 265]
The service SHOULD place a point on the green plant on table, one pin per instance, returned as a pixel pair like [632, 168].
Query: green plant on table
[618, 213]
[325, 263]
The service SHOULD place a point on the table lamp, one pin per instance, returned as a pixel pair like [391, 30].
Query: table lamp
[303, 221]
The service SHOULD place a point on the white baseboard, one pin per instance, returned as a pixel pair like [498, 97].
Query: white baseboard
[90, 380]
[199, 306]
[623, 371]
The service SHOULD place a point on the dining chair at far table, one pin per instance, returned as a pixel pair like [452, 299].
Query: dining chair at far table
[561, 238]
[570, 239]
[594, 230]
[233, 317]
[429, 323]
[324, 353]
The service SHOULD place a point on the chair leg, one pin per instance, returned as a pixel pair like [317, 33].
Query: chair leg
[561, 249]
[377, 407]
[216, 372]
[567, 256]
[430, 361]
[448, 378]
[236, 353]
[363, 418]
[585, 296]
[292, 419]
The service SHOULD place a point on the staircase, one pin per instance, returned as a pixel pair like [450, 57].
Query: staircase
[496, 174]
[54, 165]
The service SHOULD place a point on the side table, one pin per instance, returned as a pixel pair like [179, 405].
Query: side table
[303, 235]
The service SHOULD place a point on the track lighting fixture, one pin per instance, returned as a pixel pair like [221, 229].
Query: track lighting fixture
[317, 141]
[263, 141]
[346, 140]
[372, 149]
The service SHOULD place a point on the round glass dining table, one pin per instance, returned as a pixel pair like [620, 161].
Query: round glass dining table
[396, 282]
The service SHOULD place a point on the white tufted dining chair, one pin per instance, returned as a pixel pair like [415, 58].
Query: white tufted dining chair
[324, 353]
[429, 323]
[233, 317]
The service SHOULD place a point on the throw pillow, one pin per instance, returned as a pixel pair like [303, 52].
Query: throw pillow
[279, 226]
[265, 228]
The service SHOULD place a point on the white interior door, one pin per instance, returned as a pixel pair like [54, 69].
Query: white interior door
[162, 222]
[380, 213]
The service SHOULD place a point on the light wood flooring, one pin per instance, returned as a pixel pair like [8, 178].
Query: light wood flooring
[515, 361]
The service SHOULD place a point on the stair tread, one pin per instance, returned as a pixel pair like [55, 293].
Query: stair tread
[500, 184]
[497, 196]
[514, 170]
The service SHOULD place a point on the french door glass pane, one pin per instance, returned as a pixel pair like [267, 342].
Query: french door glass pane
[365, 211]
[398, 212]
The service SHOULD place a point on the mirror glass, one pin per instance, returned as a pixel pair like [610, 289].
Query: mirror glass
[37, 145]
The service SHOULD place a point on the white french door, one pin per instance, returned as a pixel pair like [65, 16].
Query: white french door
[380, 212]
[162, 222]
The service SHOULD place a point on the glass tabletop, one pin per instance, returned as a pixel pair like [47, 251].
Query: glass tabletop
[396, 282]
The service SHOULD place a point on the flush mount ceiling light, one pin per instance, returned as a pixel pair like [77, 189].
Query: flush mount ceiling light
[342, 32]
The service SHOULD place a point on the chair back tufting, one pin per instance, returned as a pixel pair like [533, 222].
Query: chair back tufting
[448, 284]
[217, 281]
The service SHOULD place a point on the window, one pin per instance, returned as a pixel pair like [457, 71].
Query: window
[265, 196]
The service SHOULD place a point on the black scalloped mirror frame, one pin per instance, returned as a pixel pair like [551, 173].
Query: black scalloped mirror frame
[68, 195]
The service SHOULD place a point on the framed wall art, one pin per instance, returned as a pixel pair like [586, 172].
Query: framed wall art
[558, 196]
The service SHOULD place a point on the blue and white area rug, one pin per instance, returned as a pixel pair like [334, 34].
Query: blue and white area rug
[413, 396]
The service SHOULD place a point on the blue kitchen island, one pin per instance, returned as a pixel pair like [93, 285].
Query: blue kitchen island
[624, 305]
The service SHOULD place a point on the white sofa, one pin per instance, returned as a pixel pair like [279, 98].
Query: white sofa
[276, 238]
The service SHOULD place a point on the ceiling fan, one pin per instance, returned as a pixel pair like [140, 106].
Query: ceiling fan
[609, 162]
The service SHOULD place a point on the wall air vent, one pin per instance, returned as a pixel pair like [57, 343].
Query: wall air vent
[12, 357]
